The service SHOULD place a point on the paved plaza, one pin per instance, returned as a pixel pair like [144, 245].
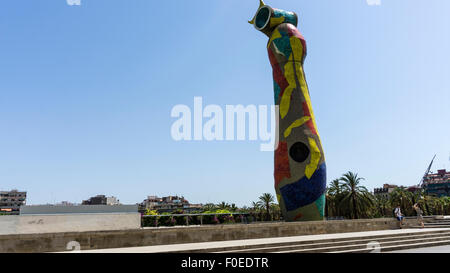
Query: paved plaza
[437, 249]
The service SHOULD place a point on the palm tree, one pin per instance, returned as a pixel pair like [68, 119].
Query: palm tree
[440, 205]
[335, 187]
[427, 201]
[209, 207]
[446, 201]
[256, 206]
[223, 206]
[382, 204]
[334, 195]
[276, 211]
[358, 197]
[403, 198]
[267, 200]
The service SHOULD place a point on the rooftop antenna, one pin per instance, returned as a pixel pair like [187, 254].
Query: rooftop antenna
[426, 173]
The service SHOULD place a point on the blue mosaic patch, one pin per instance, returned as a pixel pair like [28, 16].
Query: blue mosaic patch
[305, 191]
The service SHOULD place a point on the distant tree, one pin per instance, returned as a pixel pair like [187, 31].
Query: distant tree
[224, 206]
[440, 205]
[335, 187]
[334, 197]
[400, 196]
[256, 206]
[209, 207]
[382, 205]
[446, 200]
[428, 205]
[276, 211]
[267, 200]
[356, 196]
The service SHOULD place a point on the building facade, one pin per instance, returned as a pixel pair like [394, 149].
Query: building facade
[101, 200]
[168, 204]
[11, 201]
[385, 191]
[66, 203]
[437, 184]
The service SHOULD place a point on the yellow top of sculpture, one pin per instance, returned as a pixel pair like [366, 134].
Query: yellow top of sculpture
[261, 4]
[266, 18]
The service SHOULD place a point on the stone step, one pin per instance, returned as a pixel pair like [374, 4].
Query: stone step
[324, 246]
[397, 247]
[309, 244]
[374, 245]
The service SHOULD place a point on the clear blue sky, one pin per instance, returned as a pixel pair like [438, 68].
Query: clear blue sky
[86, 93]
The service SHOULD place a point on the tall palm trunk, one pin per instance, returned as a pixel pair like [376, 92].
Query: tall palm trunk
[355, 211]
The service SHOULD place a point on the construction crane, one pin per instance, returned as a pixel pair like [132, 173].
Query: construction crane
[426, 173]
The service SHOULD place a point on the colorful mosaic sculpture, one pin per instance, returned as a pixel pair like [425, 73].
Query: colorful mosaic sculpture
[300, 171]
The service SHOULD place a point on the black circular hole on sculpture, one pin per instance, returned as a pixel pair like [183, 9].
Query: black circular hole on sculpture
[262, 18]
[299, 152]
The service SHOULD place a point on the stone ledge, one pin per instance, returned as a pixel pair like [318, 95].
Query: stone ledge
[52, 242]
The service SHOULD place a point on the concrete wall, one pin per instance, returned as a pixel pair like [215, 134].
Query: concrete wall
[192, 234]
[31, 224]
[55, 209]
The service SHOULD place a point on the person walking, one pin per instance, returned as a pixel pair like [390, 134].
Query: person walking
[398, 214]
[419, 214]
